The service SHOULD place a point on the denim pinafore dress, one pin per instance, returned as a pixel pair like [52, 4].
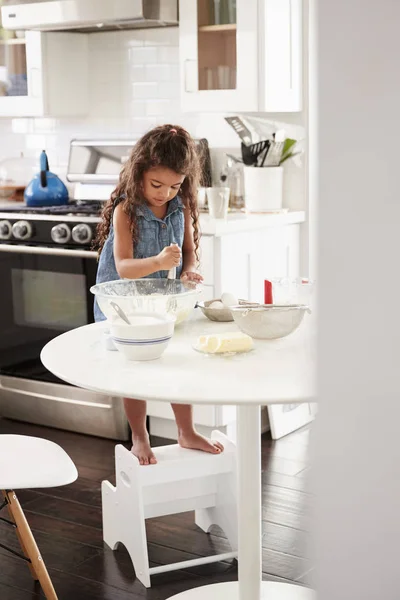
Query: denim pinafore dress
[154, 235]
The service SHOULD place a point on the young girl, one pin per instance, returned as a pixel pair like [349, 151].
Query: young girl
[153, 206]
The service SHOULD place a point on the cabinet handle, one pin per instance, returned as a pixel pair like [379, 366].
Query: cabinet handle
[191, 76]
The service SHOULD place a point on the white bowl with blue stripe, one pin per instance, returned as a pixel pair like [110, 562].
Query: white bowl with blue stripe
[146, 338]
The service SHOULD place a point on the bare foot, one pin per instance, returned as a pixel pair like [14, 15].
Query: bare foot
[142, 450]
[195, 441]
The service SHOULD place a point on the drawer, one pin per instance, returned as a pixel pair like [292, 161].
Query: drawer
[207, 259]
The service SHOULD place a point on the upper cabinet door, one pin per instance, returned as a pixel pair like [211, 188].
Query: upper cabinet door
[241, 55]
[20, 74]
[218, 50]
[43, 74]
[281, 55]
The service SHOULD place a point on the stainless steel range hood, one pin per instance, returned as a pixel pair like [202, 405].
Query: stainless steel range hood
[88, 15]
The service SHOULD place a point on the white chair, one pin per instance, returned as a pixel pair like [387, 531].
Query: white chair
[182, 480]
[30, 462]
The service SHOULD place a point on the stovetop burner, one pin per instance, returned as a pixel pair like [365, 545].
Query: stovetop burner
[72, 208]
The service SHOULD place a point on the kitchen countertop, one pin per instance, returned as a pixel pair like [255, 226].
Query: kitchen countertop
[242, 222]
[235, 223]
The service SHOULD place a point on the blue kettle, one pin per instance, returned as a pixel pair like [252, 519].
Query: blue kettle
[45, 189]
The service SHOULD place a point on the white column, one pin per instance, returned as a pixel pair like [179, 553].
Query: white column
[357, 453]
[249, 501]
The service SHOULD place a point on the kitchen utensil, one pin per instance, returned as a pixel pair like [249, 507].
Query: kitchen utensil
[147, 295]
[243, 132]
[274, 154]
[120, 312]
[218, 202]
[269, 322]
[251, 153]
[222, 315]
[171, 277]
[46, 188]
[145, 338]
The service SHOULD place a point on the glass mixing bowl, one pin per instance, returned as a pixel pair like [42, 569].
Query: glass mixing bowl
[147, 295]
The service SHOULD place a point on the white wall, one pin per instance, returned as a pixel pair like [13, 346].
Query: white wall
[357, 453]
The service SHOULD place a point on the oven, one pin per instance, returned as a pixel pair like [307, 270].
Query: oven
[45, 291]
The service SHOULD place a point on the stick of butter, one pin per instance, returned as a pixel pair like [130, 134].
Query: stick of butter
[225, 342]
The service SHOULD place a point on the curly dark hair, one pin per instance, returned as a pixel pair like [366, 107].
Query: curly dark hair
[168, 146]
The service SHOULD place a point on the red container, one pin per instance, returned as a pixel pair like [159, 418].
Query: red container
[268, 299]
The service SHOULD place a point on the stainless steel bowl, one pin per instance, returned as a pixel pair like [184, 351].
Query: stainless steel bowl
[269, 321]
[223, 315]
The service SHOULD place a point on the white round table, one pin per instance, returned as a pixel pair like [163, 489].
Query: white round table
[275, 372]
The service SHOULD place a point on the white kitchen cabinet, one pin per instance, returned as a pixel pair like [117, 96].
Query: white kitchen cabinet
[248, 59]
[243, 260]
[44, 75]
[237, 256]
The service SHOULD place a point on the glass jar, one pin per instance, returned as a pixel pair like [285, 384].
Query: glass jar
[15, 174]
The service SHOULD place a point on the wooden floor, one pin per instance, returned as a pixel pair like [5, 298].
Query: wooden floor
[66, 522]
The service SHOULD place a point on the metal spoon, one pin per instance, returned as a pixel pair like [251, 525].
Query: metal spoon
[120, 312]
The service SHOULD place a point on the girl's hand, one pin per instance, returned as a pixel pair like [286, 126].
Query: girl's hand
[169, 258]
[191, 276]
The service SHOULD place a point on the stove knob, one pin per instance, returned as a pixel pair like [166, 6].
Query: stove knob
[5, 230]
[61, 234]
[22, 230]
[82, 233]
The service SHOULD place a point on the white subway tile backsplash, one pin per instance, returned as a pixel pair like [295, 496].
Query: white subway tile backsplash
[168, 54]
[36, 141]
[162, 37]
[45, 125]
[144, 91]
[157, 108]
[145, 55]
[158, 73]
[22, 125]
[139, 126]
[168, 89]
[138, 108]
[138, 72]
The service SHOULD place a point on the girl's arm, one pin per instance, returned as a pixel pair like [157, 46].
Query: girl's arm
[189, 264]
[127, 265]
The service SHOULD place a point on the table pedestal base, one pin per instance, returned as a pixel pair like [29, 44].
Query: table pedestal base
[230, 591]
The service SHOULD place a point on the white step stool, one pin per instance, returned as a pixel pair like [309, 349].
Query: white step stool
[182, 480]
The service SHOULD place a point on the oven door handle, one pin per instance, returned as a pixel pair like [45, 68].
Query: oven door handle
[46, 251]
[30, 394]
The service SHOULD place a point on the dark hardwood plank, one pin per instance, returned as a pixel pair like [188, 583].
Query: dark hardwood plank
[66, 530]
[12, 593]
[57, 552]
